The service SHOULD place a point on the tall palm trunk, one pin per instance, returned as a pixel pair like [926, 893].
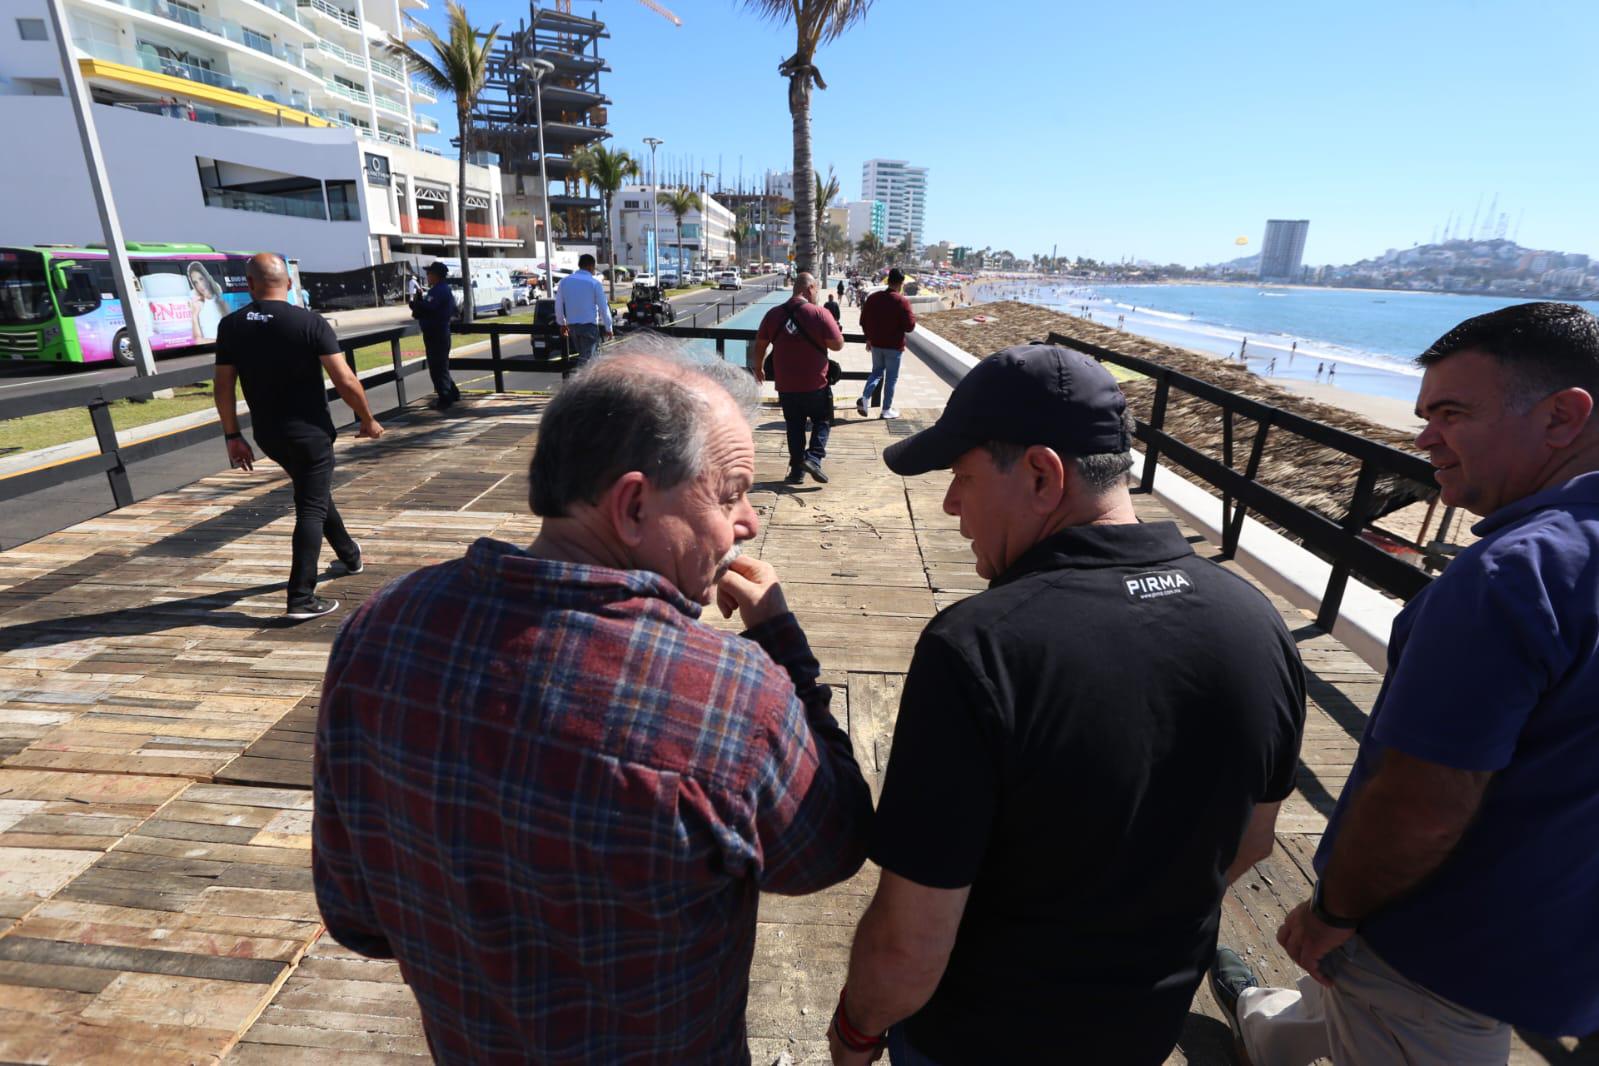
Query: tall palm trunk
[799, 107]
[464, 119]
[608, 245]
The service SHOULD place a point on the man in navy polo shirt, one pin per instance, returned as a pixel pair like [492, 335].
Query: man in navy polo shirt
[1459, 877]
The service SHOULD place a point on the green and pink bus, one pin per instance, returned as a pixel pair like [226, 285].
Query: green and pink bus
[58, 304]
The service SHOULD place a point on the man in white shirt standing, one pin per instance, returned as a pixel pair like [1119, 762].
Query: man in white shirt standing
[582, 310]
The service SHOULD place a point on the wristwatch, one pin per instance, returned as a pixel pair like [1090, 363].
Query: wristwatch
[1326, 917]
[233, 436]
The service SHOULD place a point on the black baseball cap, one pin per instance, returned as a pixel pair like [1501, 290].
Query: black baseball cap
[438, 268]
[1028, 394]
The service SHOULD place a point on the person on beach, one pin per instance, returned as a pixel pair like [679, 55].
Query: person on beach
[885, 319]
[1332, 372]
[1086, 754]
[1320, 367]
[1458, 876]
[278, 353]
[434, 310]
[800, 334]
[1271, 367]
[546, 787]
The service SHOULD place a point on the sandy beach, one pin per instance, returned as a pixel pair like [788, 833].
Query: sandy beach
[1395, 414]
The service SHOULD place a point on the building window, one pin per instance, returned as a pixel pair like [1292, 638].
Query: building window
[630, 205]
[245, 188]
[259, 41]
[32, 30]
[342, 202]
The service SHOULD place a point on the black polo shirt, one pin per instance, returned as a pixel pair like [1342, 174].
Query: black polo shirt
[277, 349]
[1083, 744]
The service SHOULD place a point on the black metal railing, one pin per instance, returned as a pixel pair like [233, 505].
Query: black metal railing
[113, 459]
[1338, 541]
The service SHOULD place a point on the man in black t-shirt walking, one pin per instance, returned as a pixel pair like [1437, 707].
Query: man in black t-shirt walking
[277, 352]
[1086, 754]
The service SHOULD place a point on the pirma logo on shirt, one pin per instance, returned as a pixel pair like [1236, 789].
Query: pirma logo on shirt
[1157, 584]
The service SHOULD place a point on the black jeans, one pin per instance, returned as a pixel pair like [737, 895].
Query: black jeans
[799, 407]
[437, 344]
[308, 460]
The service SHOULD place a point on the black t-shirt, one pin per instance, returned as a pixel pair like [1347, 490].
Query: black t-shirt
[277, 349]
[1083, 744]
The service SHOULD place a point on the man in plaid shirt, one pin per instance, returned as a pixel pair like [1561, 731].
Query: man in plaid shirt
[551, 792]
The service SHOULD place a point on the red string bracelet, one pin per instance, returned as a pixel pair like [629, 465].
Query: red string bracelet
[850, 1036]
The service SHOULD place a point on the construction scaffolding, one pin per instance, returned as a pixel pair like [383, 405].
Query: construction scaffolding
[506, 119]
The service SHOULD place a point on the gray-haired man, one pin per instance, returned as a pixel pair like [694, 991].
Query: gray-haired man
[559, 816]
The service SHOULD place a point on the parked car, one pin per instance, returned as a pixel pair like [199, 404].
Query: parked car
[644, 280]
[668, 279]
[696, 277]
[729, 279]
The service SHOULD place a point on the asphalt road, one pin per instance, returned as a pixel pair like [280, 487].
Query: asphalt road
[57, 508]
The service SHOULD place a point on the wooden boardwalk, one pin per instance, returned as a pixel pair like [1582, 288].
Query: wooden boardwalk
[155, 732]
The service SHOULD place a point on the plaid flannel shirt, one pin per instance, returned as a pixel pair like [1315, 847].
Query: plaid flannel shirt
[554, 796]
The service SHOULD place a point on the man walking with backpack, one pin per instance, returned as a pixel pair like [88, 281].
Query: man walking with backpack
[800, 334]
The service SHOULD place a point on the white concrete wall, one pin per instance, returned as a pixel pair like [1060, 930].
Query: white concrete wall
[156, 184]
[25, 59]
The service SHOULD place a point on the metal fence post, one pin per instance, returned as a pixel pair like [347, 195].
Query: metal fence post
[399, 380]
[499, 371]
[1231, 533]
[105, 434]
[1227, 458]
[1157, 423]
[1354, 519]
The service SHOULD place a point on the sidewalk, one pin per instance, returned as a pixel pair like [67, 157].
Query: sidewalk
[156, 722]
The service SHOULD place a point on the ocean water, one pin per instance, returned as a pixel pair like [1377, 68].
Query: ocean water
[1362, 340]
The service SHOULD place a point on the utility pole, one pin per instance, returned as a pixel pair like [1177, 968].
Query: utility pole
[100, 185]
[655, 195]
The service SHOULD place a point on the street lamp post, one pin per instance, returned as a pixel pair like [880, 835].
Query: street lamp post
[537, 68]
[99, 184]
[655, 195]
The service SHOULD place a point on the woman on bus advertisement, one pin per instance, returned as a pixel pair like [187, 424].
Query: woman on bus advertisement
[206, 303]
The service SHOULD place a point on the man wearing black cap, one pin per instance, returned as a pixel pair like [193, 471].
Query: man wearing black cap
[1086, 755]
[434, 310]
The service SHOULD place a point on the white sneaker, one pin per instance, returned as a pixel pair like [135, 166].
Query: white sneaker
[861, 408]
[891, 412]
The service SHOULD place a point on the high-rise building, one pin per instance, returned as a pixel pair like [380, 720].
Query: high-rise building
[245, 124]
[903, 190]
[1283, 250]
[866, 216]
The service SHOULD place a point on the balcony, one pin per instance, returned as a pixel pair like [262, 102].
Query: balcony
[214, 29]
[392, 138]
[344, 55]
[509, 233]
[392, 106]
[338, 88]
[344, 18]
[388, 70]
[147, 58]
[426, 123]
[423, 93]
[287, 9]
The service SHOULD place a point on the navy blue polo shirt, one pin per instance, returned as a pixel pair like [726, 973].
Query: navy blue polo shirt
[1495, 667]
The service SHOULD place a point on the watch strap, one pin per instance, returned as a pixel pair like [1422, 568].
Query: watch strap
[1326, 917]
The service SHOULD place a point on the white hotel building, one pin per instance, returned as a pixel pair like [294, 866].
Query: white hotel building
[902, 189]
[707, 230]
[246, 124]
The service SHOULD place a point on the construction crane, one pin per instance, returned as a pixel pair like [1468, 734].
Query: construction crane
[565, 8]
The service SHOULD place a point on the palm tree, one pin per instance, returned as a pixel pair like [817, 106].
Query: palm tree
[906, 249]
[458, 67]
[825, 191]
[870, 250]
[816, 22]
[740, 233]
[607, 170]
[680, 201]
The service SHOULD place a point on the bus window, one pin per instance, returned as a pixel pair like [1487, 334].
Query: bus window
[81, 296]
[24, 291]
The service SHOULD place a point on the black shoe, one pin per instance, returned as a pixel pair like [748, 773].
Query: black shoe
[1229, 976]
[795, 477]
[315, 609]
[814, 468]
[357, 566]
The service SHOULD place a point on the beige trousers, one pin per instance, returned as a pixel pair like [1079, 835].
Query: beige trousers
[1372, 1015]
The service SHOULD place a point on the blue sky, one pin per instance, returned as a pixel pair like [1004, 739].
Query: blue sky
[1144, 128]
